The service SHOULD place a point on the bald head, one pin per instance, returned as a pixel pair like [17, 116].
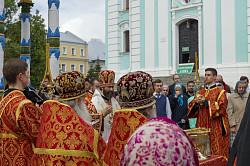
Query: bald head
[219, 78]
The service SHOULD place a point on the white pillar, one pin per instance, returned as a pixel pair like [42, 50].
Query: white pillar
[25, 31]
[53, 36]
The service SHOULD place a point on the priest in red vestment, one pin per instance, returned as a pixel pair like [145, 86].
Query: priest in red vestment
[94, 84]
[97, 118]
[136, 95]
[210, 109]
[66, 136]
[20, 118]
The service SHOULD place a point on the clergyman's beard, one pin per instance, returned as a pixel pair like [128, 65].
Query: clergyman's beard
[152, 113]
[80, 109]
[108, 94]
[83, 112]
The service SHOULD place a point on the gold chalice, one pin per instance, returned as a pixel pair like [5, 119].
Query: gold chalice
[199, 137]
[198, 96]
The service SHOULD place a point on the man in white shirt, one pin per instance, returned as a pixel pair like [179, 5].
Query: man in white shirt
[162, 103]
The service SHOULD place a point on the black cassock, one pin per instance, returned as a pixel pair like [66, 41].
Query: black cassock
[241, 145]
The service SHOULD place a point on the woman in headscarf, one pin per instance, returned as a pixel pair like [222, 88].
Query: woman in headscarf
[236, 108]
[165, 89]
[179, 107]
[159, 142]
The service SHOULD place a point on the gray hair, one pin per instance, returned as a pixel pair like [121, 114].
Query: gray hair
[79, 108]
[152, 112]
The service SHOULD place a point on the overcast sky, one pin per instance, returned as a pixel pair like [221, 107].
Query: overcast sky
[84, 18]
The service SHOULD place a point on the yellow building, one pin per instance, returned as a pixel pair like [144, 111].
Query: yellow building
[74, 53]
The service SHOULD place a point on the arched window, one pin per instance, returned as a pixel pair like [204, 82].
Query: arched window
[126, 47]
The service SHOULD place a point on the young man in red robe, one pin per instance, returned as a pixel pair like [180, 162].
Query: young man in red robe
[20, 118]
[210, 110]
[94, 84]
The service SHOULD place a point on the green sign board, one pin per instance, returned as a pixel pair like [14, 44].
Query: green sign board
[185, 68]
[185, 49]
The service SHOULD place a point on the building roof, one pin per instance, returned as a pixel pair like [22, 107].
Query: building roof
[96, 50]
[71, 38]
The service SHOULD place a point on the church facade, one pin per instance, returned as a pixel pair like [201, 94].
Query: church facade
[157, 35]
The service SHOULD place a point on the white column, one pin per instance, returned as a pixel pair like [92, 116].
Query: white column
[25, 39]
[25, 31]
[200, 56]
[53, 36]
[174, 37]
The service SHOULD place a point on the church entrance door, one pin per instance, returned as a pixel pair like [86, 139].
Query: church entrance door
[188, 41]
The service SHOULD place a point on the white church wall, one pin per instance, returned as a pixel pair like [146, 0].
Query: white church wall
[135, 35]
[163, 33]
[209, 22]
[228, 32]
[149, 34]
[113, 34]
[248, 23]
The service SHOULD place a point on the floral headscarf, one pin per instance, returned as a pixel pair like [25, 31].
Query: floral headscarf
[165, 87]
[180, 97]
[159, 142]
[236, 87]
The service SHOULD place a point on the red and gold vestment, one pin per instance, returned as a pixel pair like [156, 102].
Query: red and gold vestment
[125, 122]
[19, 126]
[65, 139]
[96, 117]
[213, 116]
[88, 98]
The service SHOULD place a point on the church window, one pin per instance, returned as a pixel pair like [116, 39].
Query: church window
[125, 4]
[126, 42]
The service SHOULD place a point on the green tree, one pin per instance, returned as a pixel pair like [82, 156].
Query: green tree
[11, 9]
[94, 70]
[38, 44]
[91, 72]
[98, 68]
[38, 49]
[12, 31]
[12, 44]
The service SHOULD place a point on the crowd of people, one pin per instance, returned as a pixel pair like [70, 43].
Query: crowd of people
[85, 122]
